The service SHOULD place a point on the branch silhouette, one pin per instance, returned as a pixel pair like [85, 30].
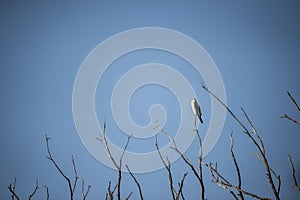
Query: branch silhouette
[102, 138]
[257, 141]
[136, 182]
[83, 193]
[175, 195]
[12, 189]
[194, 169]
[294, 173]
[47, 191]
[71, 188]
[285, 116]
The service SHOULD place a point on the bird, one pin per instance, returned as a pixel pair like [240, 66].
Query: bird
[196, 109]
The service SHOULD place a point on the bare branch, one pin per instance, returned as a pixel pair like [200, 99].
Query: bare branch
[224, 183]
[294, 173]
[104, 142]
[200, 162]
[179, 194]
[285, 116]
[298, 108]
[294, 101]
[75, 174]
[236, 167]
[84, 194]
[166, 134]
[185, 159]
[58, 168]
[215, 178]
[264, 160]
[137, 183]
[47, 191]
[129, 195]
[12, 189]
[260, 145]
[35, 189]
[168, 168]
[110, 193]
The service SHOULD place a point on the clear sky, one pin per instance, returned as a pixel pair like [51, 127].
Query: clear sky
[254, 44]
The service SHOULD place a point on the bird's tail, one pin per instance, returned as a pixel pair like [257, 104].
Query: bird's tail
[201, 120]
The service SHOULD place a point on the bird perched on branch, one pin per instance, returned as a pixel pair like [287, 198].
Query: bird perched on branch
[196, 109]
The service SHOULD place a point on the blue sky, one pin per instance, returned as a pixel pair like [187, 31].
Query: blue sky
[256, 46]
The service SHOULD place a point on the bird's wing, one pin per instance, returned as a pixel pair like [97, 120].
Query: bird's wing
[198, 110]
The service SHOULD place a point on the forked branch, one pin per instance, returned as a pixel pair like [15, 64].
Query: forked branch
[257, 141]
[236, 168]
[102, 138]
[136, 182]
[35, 189]
[168, 168]
[224, 183]
[71, 188]
[83, 193]
[12, 189]
[285, 116]
[294, 173]
[185, 159]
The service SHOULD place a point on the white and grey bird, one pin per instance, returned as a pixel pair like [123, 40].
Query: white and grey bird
[196, 109]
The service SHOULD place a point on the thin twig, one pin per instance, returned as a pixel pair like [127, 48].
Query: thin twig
[35, 189]
[294, 101]
[285, 116]
[236, 167]
[179, 194]
[110, 193]
[75, 174]
[215, 178]
[129, 195]
[298, 108]
[200, 163]
[186, 160]
[224, 183]
[102, 138]
[136, 182]
[294, 173]
[47, 191]
[260, 145]
[264, 160]
[84, 194]
[58, 168]
[12, 189]
[168, 168]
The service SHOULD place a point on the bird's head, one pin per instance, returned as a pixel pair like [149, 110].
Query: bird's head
[193, 99]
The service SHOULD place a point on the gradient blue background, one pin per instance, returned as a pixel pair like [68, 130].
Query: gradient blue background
[256, 46]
